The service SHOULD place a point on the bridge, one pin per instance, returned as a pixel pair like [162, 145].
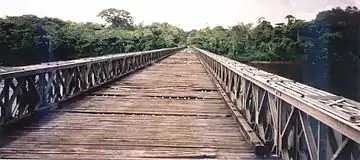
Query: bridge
[175, 103]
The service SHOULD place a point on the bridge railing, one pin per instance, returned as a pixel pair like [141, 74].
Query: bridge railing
[25, 90]
[292, 120]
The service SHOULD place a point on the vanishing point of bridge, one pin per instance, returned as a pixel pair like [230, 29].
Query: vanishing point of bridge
[177, 103]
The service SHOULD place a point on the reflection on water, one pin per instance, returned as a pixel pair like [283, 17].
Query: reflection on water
[341, 81]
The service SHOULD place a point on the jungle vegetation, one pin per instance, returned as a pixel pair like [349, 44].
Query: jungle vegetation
[29, 39]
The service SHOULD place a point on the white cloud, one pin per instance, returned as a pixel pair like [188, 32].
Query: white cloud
[187, 14]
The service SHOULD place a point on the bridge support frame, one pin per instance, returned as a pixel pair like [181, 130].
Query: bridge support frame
[281, 111]
[29, 89]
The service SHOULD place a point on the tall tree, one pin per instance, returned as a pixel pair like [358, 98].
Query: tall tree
[117, 18]
[290, 19]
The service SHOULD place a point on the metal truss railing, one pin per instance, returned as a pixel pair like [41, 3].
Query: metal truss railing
[25, 90]
[293, 120]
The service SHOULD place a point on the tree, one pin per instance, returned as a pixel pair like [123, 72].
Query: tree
[117, 18]
[290, 19]
[260, 20]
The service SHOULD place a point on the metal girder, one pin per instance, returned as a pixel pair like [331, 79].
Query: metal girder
[282, 118]
[26, 89]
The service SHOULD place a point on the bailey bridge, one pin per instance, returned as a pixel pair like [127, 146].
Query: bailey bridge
[175, 103]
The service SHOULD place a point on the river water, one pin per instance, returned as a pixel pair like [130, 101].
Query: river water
[342, 82]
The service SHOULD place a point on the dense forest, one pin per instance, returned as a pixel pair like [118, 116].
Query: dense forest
[334, 31]
[29, 39]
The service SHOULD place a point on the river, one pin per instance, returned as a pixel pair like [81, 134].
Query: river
[342, 82]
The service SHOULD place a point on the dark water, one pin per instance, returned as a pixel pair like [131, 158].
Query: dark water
[340, 81]
[292, 71]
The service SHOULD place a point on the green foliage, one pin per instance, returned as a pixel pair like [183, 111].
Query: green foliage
[28, 39]
[334, 33]
[343, 32]
[246, 43]
[117, 18]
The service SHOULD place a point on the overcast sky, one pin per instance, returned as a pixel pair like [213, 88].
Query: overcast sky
[187, 14]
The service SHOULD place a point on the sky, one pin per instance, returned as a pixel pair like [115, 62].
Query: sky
[187, 14]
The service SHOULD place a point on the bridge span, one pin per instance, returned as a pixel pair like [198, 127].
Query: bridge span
[170, 104]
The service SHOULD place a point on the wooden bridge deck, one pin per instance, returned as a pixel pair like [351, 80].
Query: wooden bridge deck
[170, 110]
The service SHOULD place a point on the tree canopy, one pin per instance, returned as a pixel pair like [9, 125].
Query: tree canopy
[29, 39]
[117, 18]
[333, 32]
[246, 42]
